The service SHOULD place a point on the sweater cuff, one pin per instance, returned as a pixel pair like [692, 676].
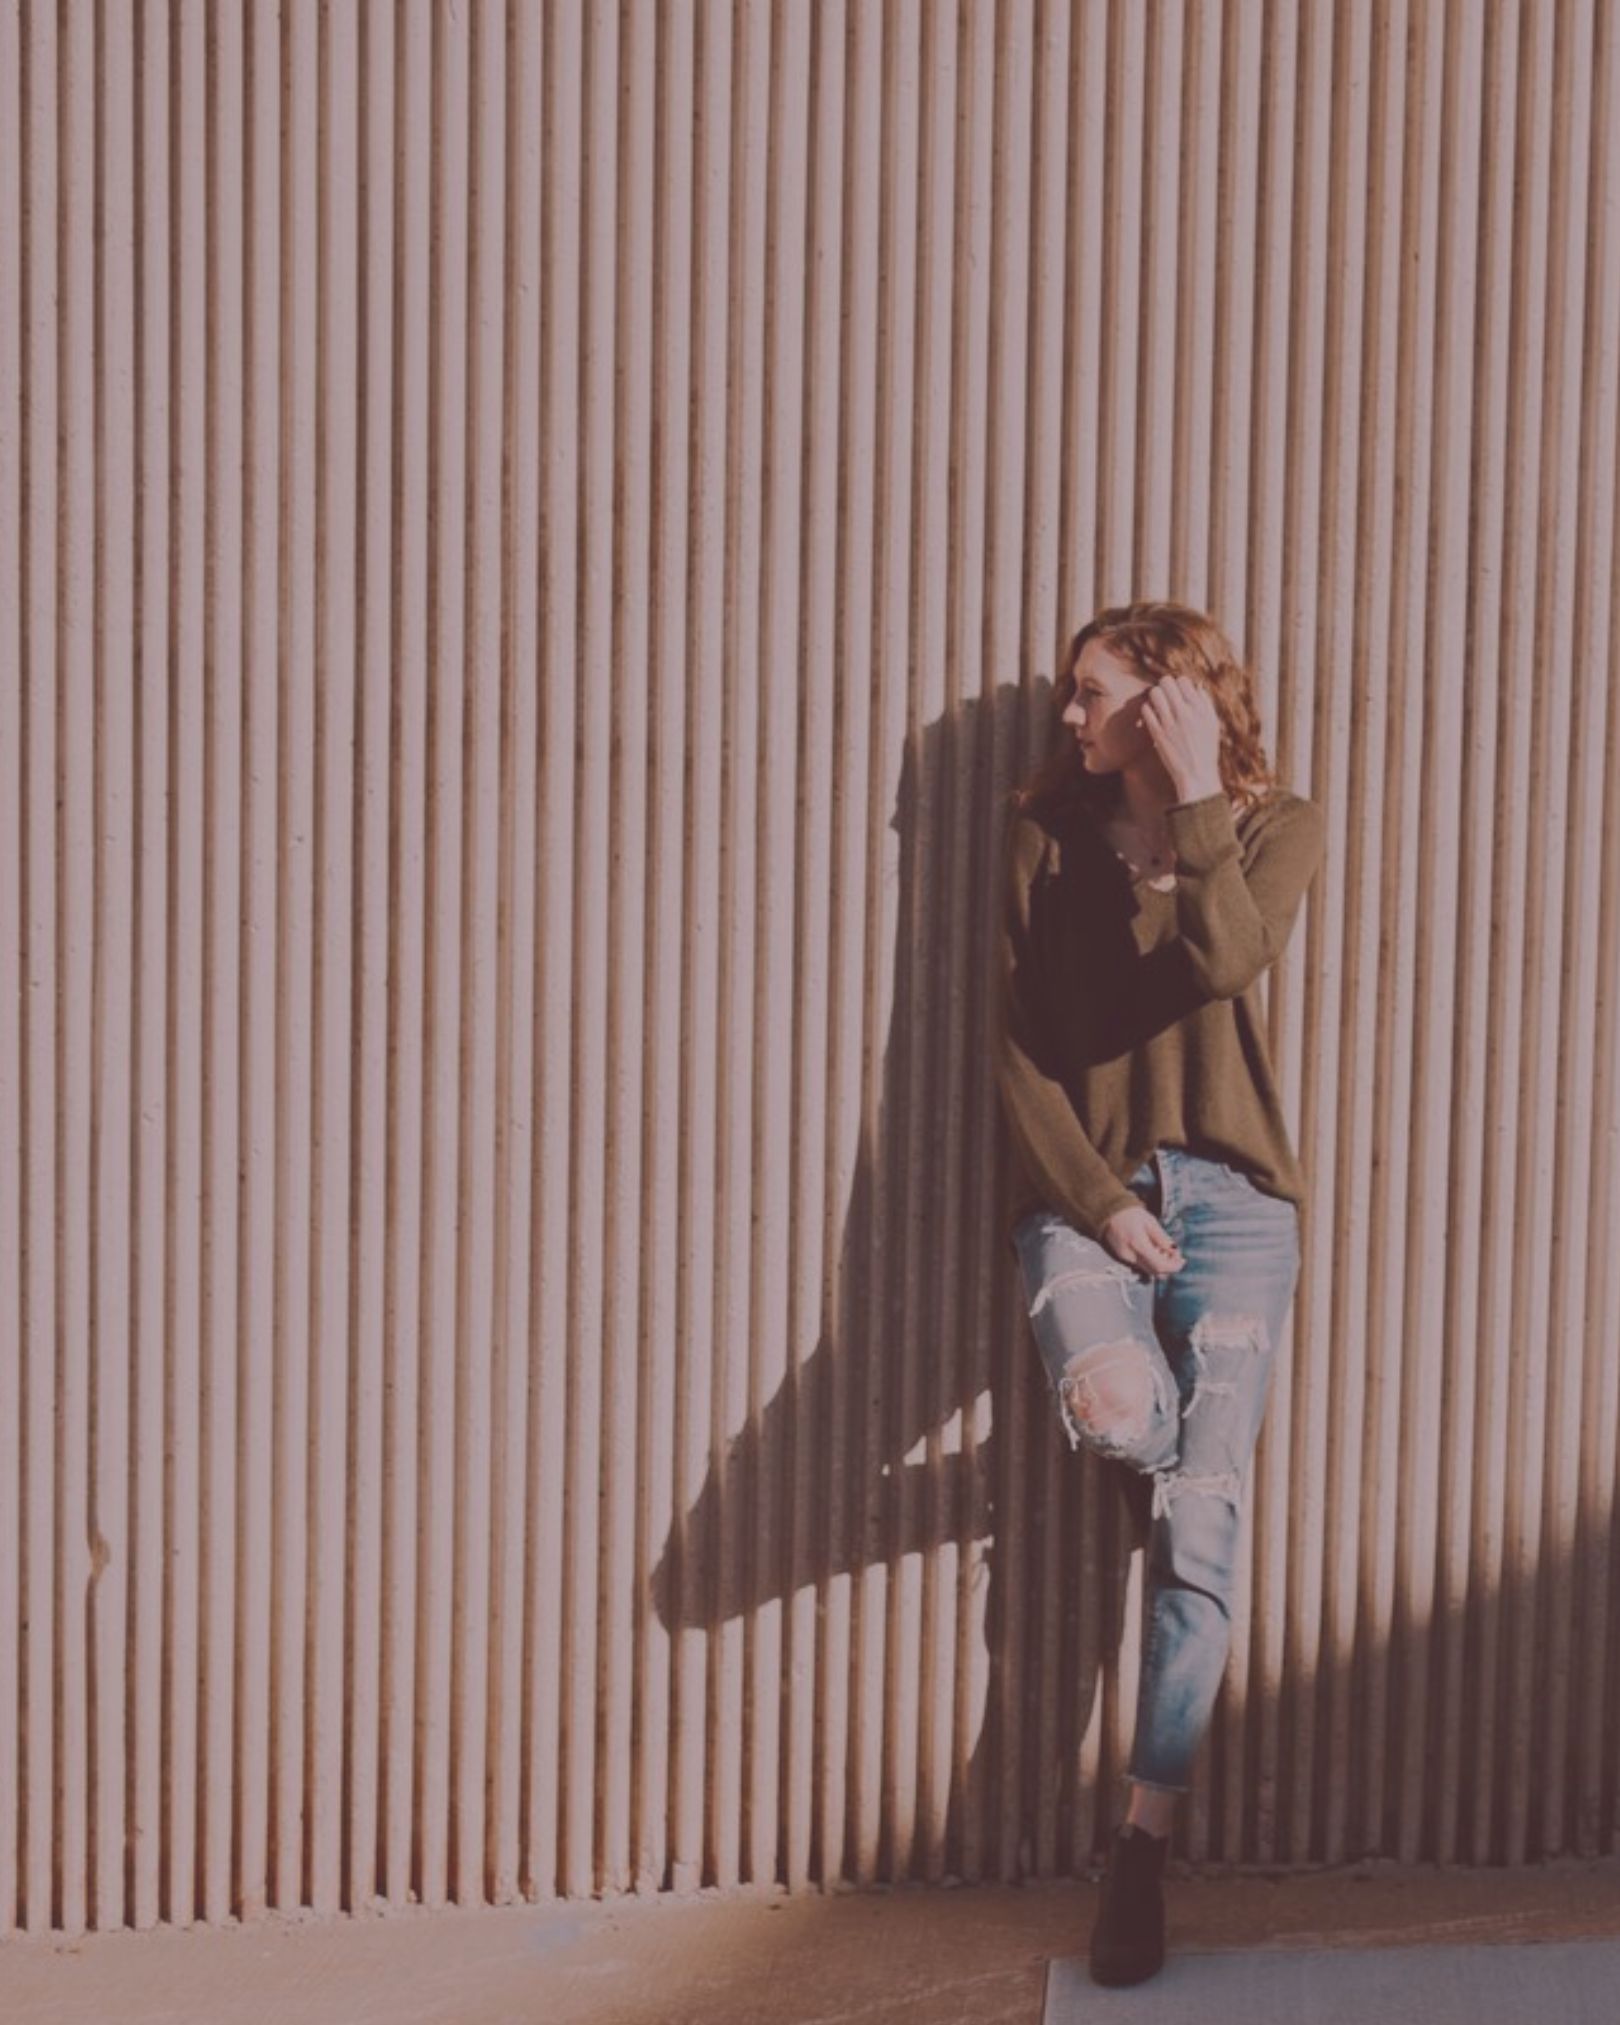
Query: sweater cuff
[1128, 1200]
[1202, 832]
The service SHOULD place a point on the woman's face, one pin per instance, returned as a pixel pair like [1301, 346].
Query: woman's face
[1105, 712]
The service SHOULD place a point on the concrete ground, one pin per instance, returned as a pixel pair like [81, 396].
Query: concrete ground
[1576, 1982]
[941, 1954]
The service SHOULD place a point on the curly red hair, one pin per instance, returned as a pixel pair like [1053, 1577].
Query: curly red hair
[1159, 638]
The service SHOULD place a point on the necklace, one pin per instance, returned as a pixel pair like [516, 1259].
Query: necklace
[1147, 854]
[1141, 857]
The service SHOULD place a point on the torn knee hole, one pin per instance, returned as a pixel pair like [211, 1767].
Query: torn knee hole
[1111, 1389]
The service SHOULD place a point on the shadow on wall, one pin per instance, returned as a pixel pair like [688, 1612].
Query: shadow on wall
[868, 1453]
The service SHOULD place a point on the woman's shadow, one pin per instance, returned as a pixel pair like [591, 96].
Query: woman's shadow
[922, 1424]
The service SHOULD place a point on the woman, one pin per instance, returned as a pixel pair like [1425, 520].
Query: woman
[1154, 871]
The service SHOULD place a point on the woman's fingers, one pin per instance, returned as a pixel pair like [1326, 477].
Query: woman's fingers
[1178, 696]
[1162, 1254]
[1138, 1238]
[1183, 722]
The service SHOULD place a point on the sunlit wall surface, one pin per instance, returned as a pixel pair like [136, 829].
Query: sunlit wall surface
[534, 541]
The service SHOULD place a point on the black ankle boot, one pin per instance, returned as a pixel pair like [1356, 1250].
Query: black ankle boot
[1127, 1942]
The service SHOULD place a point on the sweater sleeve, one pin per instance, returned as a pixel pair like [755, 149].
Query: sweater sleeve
[1234, 922]
[1058, 1156]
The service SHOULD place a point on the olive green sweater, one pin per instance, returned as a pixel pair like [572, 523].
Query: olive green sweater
[1128, 1017]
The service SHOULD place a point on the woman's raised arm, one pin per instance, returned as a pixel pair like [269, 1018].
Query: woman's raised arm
[1235, 922]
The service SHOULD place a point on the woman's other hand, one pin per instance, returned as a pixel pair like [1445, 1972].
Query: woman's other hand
[1136, 1236]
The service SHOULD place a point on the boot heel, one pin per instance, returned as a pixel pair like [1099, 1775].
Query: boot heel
[1127, 1940]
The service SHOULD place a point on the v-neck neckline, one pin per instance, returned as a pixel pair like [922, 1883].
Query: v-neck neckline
[1136, 880]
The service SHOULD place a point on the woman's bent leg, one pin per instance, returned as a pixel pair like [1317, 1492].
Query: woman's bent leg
[1092, 1319]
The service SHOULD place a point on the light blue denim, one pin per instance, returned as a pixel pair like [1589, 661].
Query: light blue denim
[1209, 1333]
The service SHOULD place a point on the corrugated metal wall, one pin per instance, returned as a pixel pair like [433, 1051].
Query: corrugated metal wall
[535, 539]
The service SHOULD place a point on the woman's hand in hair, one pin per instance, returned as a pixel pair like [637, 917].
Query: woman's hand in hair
[1179, 715]
[1136, 1236]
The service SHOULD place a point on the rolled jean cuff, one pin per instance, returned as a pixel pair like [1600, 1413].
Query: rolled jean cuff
[1158, 1785]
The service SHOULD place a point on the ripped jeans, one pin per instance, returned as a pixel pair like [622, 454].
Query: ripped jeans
[1170, 1376]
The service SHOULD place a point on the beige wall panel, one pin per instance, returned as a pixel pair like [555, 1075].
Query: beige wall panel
[535, 537]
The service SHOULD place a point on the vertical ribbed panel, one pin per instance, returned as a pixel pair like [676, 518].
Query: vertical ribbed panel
[534, 541]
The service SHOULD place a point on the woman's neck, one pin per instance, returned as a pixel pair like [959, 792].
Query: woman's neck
[1140, 801]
